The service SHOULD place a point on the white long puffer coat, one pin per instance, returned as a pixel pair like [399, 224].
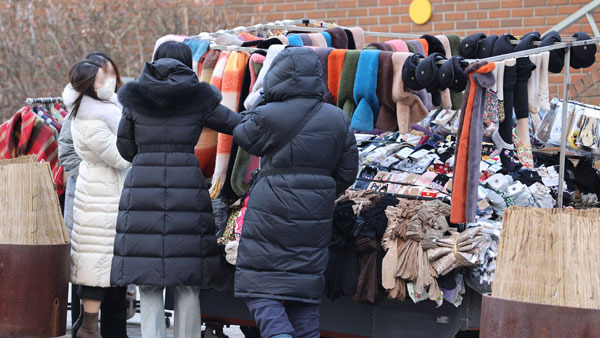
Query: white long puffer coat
[101, 176]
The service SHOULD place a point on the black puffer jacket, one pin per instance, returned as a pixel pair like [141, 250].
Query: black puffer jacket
[166, 230]
[287, 227]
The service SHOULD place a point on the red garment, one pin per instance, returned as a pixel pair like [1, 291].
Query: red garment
[27, 134]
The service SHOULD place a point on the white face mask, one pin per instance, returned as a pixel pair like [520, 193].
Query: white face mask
[107, 91]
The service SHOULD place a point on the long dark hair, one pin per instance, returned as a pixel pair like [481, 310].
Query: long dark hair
[82, 76]
[102, 59]
[174, 50]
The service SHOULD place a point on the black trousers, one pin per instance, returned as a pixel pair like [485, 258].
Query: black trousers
[113, 317]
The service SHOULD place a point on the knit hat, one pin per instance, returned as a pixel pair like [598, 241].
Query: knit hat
[339, 39]
[380, 46]
[208, 66]
[435, 45]
[409, 108]
[409, 70]
[359, 37]
[327, 37]
[318, 40]
[486, 47]
[557, 56]
[583, 56]
[527, 42]
[199, 48]
[452, 74]
[334, 69]
[365, 91]
[385, 80]
[351, 44]
[428, 76]
[306, 40]
[346, 92]
[454, 43]
[398, 45]
[323, 54]
[417, 47]
[295, 40]
[425, 45]
[503, 45]
[469, 46]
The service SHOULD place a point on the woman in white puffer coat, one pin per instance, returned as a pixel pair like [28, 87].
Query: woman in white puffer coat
[95, 112]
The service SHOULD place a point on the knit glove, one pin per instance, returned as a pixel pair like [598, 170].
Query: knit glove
[365, 91]
[231, 250]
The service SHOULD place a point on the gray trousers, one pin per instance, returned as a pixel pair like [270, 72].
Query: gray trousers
[187, 311]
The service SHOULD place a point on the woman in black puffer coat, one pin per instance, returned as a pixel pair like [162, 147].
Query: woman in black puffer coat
[283, 251]
[165, 228]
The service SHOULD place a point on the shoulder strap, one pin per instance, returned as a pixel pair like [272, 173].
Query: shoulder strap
[291, 135]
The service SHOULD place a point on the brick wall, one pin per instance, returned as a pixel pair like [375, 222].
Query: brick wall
[449, 16]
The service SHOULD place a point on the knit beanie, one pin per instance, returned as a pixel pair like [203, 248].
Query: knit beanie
[335, 67]
[557, 56]
[359, 37]
[199, 48]
[306, 40]
[583, 56]
[544, 91]
[351, 44]
[446, 98]
[327, 37]
[365, 91]
[409, 108]
[208, 66]
[454, 43]
[346, 92]
[318, 40]
[323, 54]
[380, 46]
[385, 80]
[295, 40]
[398, 45]
[339, 39]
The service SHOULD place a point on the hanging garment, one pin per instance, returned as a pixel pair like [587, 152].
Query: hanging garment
[318, 40]
[334, 70]
[358, 36]
[365, 91]
[327, 37]
[409, 107]
[446, 97]
[346, 92]
[306, 40]
[26, 134]
[425, 45]
[454, 43]
[323, 54]
[470, 136]
[339, 39]
[101, 176]
[287, 226]
[233, 76]
[385, 80]
[258, 85]
[199, 48]
[398, 45]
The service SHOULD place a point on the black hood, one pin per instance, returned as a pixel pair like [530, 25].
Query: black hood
[295, 72]
[168, 87]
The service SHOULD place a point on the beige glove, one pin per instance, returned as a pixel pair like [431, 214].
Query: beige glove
[231, 252]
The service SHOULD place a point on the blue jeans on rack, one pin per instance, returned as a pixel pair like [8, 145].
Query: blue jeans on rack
[285, 319]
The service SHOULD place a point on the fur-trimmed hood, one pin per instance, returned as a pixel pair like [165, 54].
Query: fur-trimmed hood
[91, 109]
[168, 87]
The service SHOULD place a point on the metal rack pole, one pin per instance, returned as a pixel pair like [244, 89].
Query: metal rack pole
[564, 134]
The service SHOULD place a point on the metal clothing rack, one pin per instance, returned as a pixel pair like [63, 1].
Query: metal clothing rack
[43, 100]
